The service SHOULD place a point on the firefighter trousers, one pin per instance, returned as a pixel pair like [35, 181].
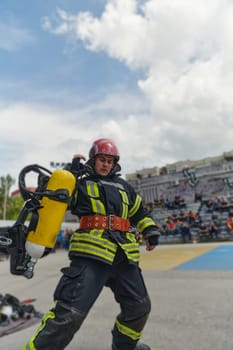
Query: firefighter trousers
[79, 287]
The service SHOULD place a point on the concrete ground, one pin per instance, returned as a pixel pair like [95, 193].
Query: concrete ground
[192, 309]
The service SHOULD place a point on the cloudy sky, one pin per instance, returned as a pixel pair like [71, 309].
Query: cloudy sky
[156, 76]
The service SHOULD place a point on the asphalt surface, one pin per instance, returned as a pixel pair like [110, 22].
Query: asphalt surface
[191, 309]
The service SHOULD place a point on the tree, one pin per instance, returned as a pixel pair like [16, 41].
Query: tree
[14, 206]
[5, 184]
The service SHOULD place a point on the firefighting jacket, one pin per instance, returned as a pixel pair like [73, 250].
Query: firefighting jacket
[108, 195]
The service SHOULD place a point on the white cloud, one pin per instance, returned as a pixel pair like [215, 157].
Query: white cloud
[185, 49]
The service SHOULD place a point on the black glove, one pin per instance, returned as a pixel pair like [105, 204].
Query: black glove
[75, 167]
[152, 235]
[153, 240]
[76, 164]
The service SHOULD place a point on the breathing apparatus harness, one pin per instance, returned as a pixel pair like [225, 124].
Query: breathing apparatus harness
[21, 263]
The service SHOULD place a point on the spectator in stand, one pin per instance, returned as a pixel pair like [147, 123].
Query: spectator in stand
[174, 217]
[168, 204]
[181, 217]
[185, 232]
[216, 204]
[214, 226]
[203, 231]
[156, 203]
[229, 224]
[176, 202]
[171, 226]
[164, 229]
[67, 237]
[59, 242]
[179, 222]
[162, 201]
[191, 216]
[209, 206]
[223, 204]
[198, 197]
[149, 208]
[182, 203]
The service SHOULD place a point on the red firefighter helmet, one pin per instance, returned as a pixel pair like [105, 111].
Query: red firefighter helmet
[104, 146]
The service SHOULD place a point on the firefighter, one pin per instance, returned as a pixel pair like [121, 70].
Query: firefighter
[103, 252]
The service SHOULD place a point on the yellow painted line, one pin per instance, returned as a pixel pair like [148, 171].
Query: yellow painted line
[166, 258]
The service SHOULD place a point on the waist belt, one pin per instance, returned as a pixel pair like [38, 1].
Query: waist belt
[110, 222]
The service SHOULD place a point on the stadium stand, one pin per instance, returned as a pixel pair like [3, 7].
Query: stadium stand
[202, 187]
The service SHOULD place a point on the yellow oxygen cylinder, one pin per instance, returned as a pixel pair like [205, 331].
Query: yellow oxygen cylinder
[50, 214]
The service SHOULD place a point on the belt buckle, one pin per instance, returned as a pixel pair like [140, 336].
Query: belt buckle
[110, 221]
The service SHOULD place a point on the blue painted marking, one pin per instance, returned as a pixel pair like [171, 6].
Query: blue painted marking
[220, 258]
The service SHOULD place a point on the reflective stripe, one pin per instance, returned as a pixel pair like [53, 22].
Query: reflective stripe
[86, 249]
[114, 184]
[93, 193]
[144, 223]
[75, 196]
[125, 204]
[30, 345]
[90, 243]
[128, 332]
[131, 237]
[93, 238]
[97, 206]
[136, 206]
[25, 347]
[131, 250]
[94, 244]
[92, 189]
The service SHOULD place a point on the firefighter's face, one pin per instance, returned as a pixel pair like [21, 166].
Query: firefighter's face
[103, 164]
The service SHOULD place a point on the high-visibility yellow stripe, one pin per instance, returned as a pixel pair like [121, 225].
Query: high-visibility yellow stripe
[30, 345]
[97, 206]
[86, 249]
[92, 238]
[133, 257]
[125, 204]
[128, 332]
[92, 189]
[93, 193]
[25, 347]
[131, 237]
[131, 246]
[144, 223]
[136, 206]
[90, 243]
[131, 250]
